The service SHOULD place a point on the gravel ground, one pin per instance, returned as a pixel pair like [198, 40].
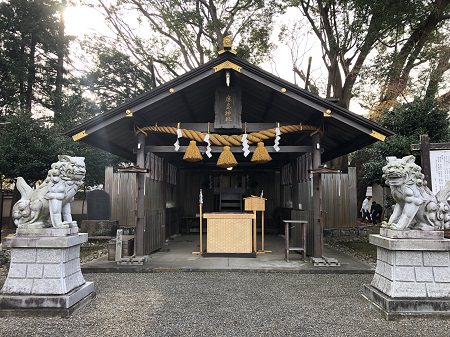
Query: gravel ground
[224, 304]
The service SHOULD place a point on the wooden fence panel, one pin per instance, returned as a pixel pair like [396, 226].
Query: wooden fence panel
[122, 188]
[339, 199]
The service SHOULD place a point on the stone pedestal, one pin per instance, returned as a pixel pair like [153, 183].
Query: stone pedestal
[412, 276]
[45, 274]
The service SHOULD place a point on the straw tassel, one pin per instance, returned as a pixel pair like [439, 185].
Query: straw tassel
[226, 158]
[192, 152]
[260, 156]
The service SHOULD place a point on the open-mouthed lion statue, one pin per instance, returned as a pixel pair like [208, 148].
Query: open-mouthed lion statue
[416, 206]
[48, 205]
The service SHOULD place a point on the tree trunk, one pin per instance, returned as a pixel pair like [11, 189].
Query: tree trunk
[61, 45]
[31, 72]
[404, 62]
[436, 74]
[22, 90]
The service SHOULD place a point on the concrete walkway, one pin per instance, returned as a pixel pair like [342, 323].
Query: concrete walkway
[177, 256]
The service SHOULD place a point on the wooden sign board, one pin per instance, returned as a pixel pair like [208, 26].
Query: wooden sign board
[228, 109]
[254, 203]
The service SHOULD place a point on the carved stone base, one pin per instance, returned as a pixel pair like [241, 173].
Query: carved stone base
[411, 234]
[412, 275]
[46, 305]
[46, 231]
[44, 271]
[395, 308]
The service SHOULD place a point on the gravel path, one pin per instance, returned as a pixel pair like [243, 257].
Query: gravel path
[224, 304]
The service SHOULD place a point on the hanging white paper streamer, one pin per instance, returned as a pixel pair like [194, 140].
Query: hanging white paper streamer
[277, 139]
[177, 143]
[208, 147]
[245, 145]
[200, 197]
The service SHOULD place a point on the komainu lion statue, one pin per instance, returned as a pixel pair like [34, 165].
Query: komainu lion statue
[416, 206]
[48, 205]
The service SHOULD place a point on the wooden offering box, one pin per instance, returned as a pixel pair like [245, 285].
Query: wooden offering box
[254, 203]
[229, 232]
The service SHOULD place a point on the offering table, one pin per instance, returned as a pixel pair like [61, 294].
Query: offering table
[229, 233]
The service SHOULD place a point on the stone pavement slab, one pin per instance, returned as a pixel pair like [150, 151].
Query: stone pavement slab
[177, 256]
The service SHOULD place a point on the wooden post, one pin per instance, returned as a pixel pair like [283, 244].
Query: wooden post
[201, 228]
[140, 204]
[262, 231]
[254, 233]
[425, 159]
[317, 207]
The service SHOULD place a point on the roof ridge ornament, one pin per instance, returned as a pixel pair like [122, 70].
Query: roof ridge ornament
[227, 65]
[227, 43]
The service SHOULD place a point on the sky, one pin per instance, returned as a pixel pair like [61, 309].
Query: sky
[82, 21]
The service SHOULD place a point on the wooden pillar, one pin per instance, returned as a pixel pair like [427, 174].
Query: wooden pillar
[140, 210]
[425, 159]
[317, 198]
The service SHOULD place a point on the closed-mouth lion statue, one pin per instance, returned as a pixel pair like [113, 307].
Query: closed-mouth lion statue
[48, 205]
[416, 206]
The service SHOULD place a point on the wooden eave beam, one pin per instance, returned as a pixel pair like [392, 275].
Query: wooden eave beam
[251, 127]
[322, 109]
[235, 149]
[111, 148]
[171, 91]
[353, 146]
[128, 113]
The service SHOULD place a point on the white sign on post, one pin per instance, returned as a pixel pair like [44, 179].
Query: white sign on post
[440, 169]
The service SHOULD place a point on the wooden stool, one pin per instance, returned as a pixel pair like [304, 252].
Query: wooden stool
[286, 237]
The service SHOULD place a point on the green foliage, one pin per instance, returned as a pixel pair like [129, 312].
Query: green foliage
[116, 77]
[28, 53]
[30, 42]
[26, 148]
[408, 121]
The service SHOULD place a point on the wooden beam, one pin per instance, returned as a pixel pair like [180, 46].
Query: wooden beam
[251, 127]
[236, 149]
[306, 101]
[109, 147]
[283, 90]
[127, 113]
[424, 147]
[172, 91]
[433, 146]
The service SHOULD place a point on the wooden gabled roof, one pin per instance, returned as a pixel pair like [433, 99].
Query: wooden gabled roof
[189, 99]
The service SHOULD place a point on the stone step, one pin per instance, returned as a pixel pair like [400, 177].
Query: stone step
[325, 262]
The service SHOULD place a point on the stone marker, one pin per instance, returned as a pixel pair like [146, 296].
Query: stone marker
[98, 205]
[99, 227]
[45, 277]
[412, 276]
